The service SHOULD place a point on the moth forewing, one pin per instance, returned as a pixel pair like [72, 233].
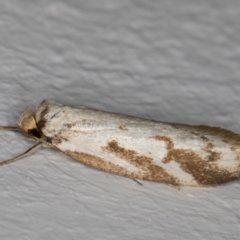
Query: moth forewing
[137, 148]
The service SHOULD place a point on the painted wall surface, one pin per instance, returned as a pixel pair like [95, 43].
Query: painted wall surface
[169, 60]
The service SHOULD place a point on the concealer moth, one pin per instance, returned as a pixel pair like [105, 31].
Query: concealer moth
[175, 154]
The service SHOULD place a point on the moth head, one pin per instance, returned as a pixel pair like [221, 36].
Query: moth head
[27, 125]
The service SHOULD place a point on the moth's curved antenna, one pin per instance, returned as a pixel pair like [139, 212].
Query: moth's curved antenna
[9, 128]
[25, 154]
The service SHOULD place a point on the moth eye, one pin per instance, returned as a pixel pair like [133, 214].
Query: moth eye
[35, 133]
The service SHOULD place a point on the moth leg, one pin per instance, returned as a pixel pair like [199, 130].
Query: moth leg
[9, 128]
[25, 154]
[139, 183]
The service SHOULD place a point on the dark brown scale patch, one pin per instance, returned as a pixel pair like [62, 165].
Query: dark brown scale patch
[60, 137]
[64, 136]
[42, 122]
[213, 155]
[152, 172]
[124, 128]
[204, 172]
[209, 147]
[48, 139]
[102, 164]
[70, 125]
[226, 135]
[205, 139]
[170, 146]
[56, 140]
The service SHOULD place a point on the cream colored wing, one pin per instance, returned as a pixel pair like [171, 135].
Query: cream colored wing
[142, 149]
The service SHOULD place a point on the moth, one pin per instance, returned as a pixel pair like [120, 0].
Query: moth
[175, 154]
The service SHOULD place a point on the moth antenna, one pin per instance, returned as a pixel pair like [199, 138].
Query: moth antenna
[25, 154]
[9, 128]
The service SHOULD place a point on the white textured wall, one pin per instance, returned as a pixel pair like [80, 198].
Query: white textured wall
[171, 60]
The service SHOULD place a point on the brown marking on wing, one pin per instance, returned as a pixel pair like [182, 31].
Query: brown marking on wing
[70, 125]
[65, 138]
[42, 120]
[102, 164]
[226, 135]
[170, 146]
[124, 128]
[204, 172]
[205, 139]
[65, 135]
[152, 172]
[56, 140]
[213, 155]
